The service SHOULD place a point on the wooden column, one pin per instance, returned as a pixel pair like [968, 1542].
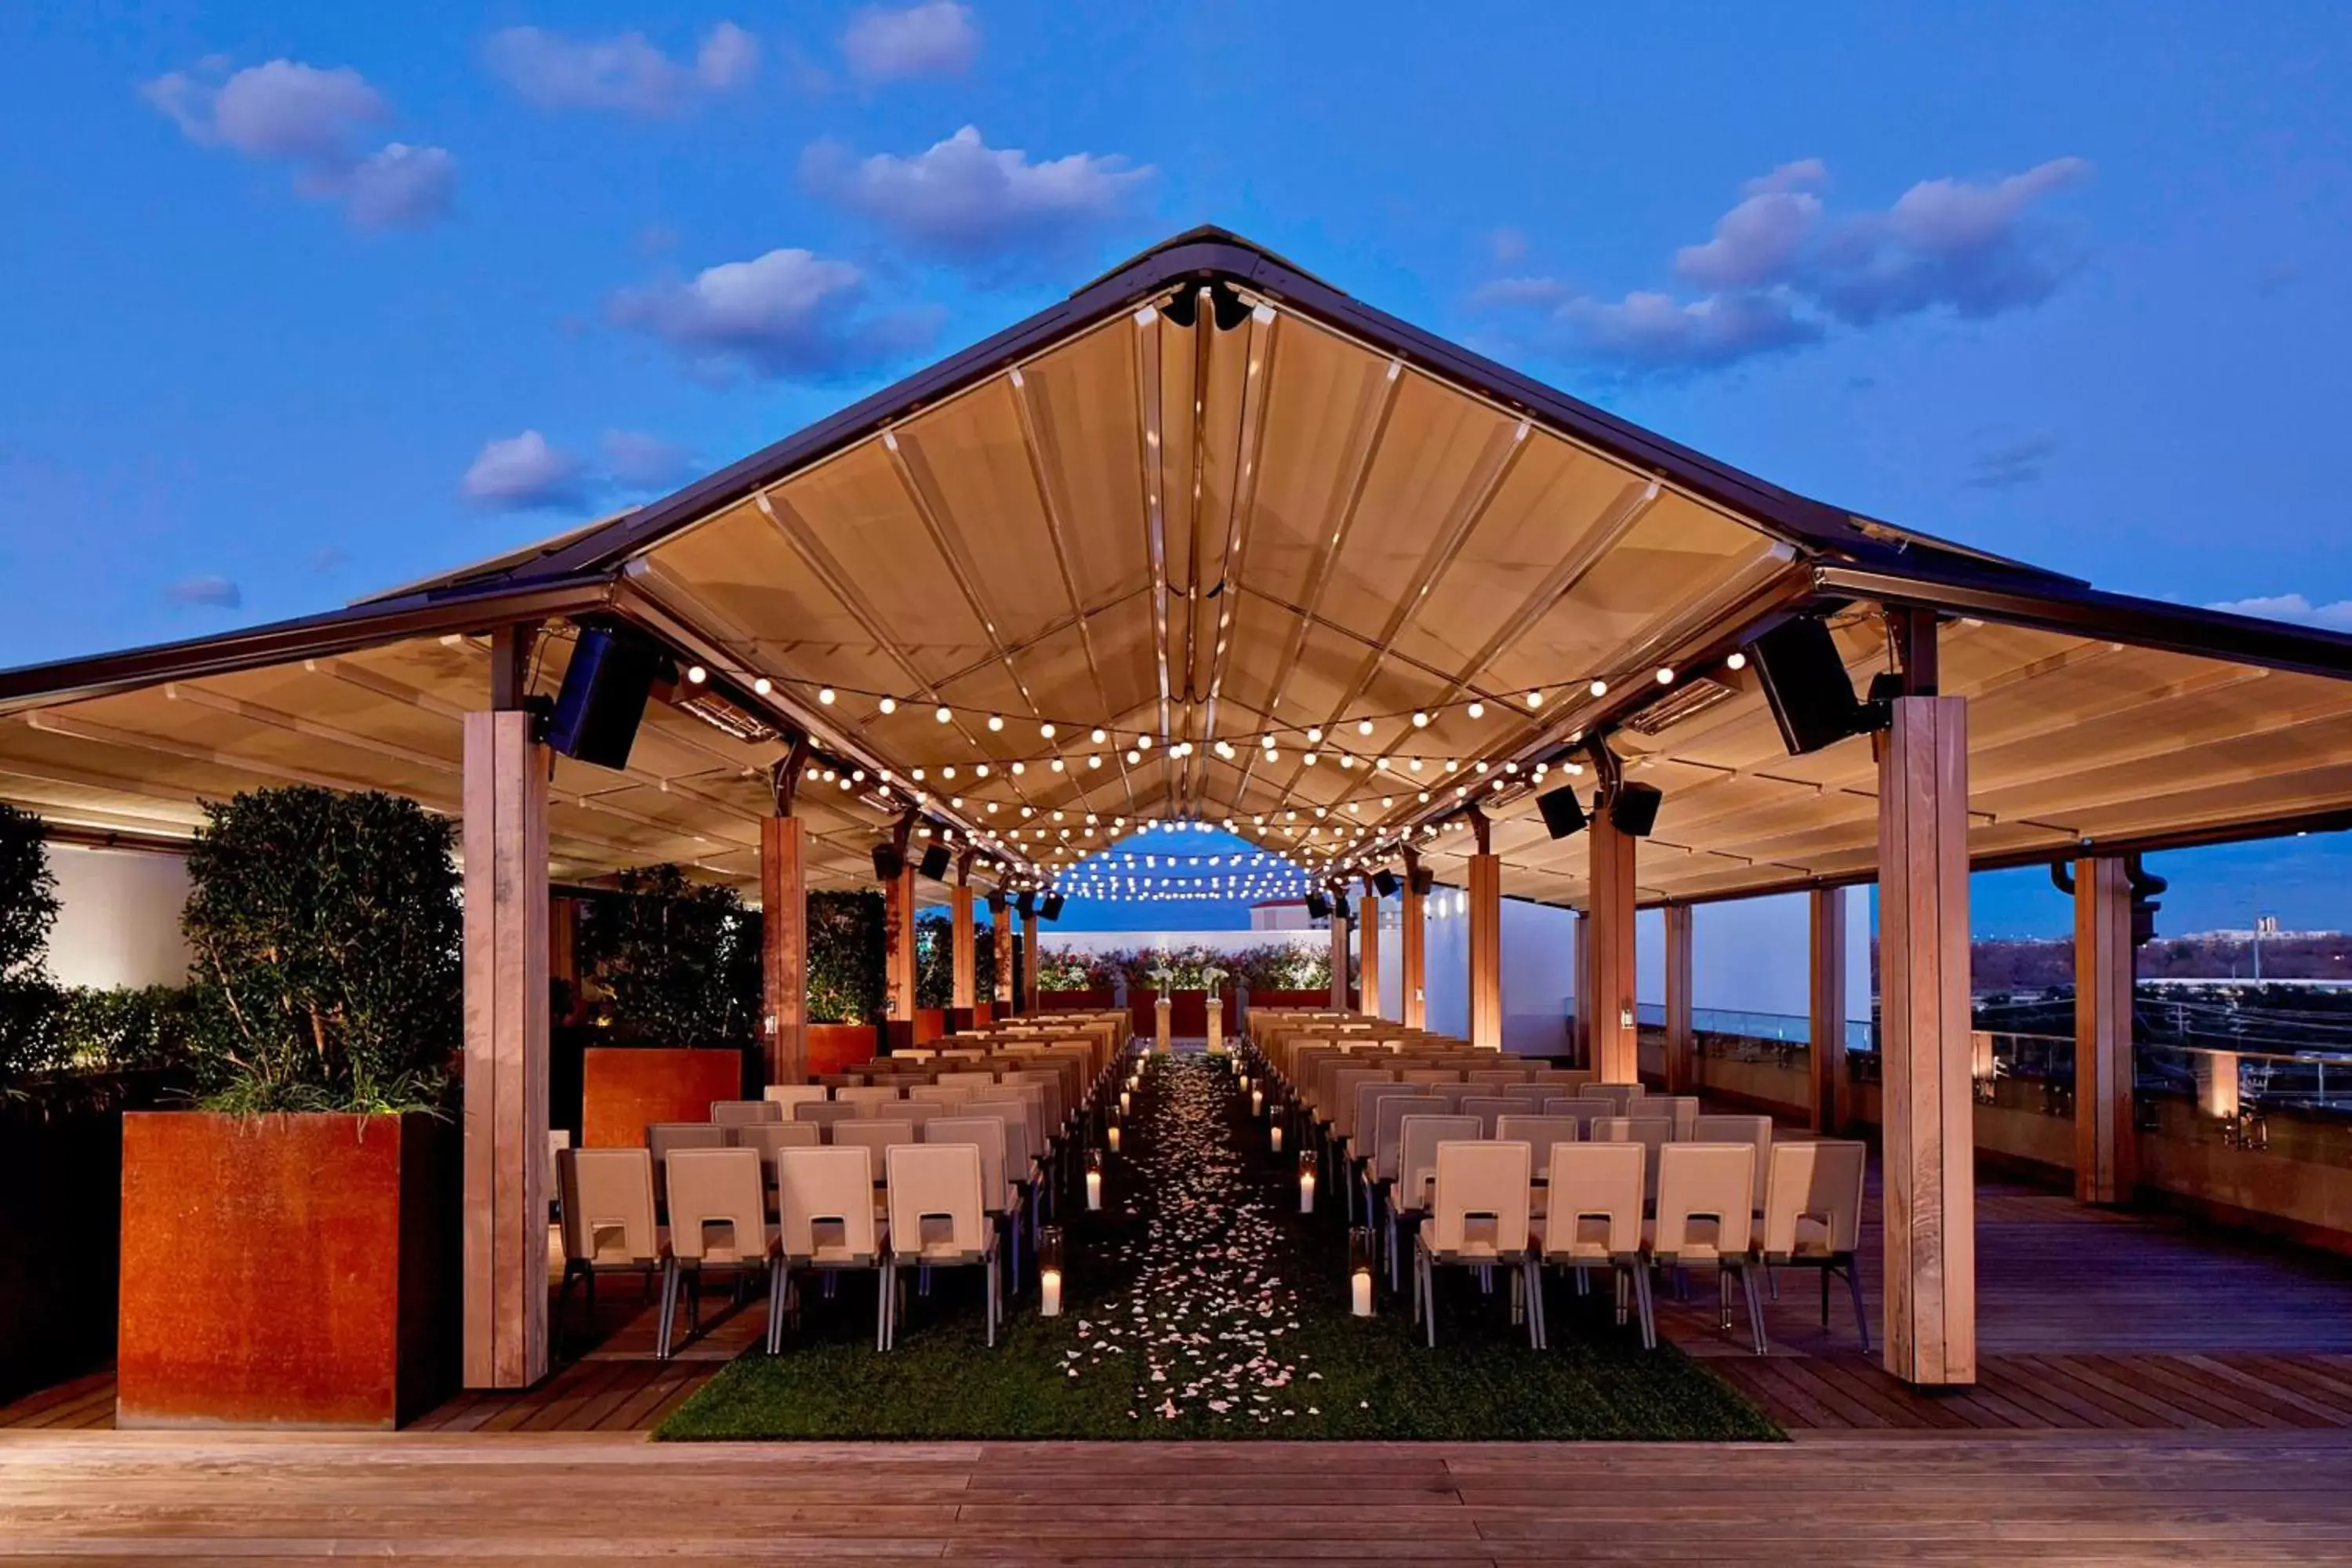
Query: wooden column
[1682, 1044]
[1485, 941]
[1368, 947]
[898, 934]
[2104, 1171]
[1029, 961]
[1412, 946]
[1922, 945]
[1580, 965]
[1609, 946]
[505, 838]
[783, 935]
[1338, 927]
[963, 947]
[784, 923]
[1827, 1036]
[1000, 937]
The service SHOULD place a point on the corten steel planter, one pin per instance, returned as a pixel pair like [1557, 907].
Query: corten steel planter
[298, 1270]
[623, 1088]
[837, 1047]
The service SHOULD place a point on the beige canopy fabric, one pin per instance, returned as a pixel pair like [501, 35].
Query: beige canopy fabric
[1208, 502]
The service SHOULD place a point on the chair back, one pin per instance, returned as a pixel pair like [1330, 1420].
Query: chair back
[1480, 1207]
[789, 1095]
[608, 1206]
[559, 1139]
[1706, 1193]
[1388, 1125]
[868, 1095]
[1430, 1075]
[1756, 1129]
[962, 1053]
[765, 1137]
[1049, 1088]
[1652, 1132]
[1681, 1109]
[976, 1081]
[1495, 1078]
[1538, 1133]
[1337, 1097]
[989, 1135]
[1529, 1096]
[824, 1200]
[664, 1137]
[1592, 1200]
[1813, 1203]
[875, 1134]
[1018, 1111]
[914, 1054]
[940, 1093]
[1364, 1117]
[1487, 1107]
[718, 1206]
[1620, 1095]
[826, 1114]
[1417, 1141]
[938, 1211]
[742, 1112]
[1585, 1109]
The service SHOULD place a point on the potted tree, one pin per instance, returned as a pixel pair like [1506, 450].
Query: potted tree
[674, 982]
[844, 978]
[290, 1243]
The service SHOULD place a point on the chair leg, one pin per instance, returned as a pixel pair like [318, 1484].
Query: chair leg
[1861, 1316]
[991, 1286]
[668, 1307]
[888, 1279]
[1429, 1290]
[1535, 1299]
[562, 1300]
[1825, 1298]
[1754, 1306]
[1642, 1300]
[777, 1274]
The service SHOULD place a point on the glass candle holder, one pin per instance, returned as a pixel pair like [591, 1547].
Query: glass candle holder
[1359, 1270]
[1258, 1103]
[1049, 1271]
[1094, 1178]
[1306, 1171]
[1274, 1135]
[1111, 1133]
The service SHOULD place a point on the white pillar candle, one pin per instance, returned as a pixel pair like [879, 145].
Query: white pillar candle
[1114, 1137]
[1258, 1103]
[1049, 1287]
[1126, 1102]
[1363, 1292]
[1275, 1135]
[1094, 1189]
[1306, 1192]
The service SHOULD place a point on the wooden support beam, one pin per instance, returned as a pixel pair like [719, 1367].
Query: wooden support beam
[1682, 1044]
[1029, 960]
[1580, 965]
[898, 935]
[1485, 952]
[1923, 1046]
[1338, 929]
[1367, 946]
[964, 946]
[506, 1062]
[999, 938]
[1609, 947]
[2104, 1145]
[1831, 1097]
[784, 921]
[1414, 945]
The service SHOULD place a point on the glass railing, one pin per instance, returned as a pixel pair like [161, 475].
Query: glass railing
[1729, 1025]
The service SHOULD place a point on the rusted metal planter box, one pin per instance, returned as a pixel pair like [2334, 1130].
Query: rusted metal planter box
[623, 1088]
[839, 1048]
[287, 1270]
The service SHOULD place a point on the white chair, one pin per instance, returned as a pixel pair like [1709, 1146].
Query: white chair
[717, 1219]
[825, 1206]
[939, 1219]
[1592, 1219]
[789, 1095]
[1812, 1215]
[1705, 1208]
[743, 1113]
[1478, 1218]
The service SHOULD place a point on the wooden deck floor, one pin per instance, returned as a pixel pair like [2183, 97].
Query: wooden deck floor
[1827, 1500]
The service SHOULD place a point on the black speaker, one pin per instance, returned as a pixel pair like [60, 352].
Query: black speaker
[1384, 883]
[889, 864]
[1317, 907]
[1806, 683]
[934, 863]
[603, 696]
[996, 902]
[1633, 809]
[1052, 908]
[1562, 812]
[1424, 881]
[1026, 904]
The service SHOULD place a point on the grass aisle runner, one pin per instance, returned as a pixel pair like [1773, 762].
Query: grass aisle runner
[1200, 1303]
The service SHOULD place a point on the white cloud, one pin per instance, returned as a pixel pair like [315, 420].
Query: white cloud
[887, 44]
[789, 313]
[209, 591]
[1780, 269]
[965, 199]
[2335, 617]
[316, 120]
[524, 473]
[623, 72]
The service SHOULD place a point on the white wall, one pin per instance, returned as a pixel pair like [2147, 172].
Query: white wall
[120, 920]
[1754, 956]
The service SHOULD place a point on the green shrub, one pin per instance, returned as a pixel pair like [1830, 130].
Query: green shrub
[673, 962]
[844, 957]
[326, 929]
[935, 960]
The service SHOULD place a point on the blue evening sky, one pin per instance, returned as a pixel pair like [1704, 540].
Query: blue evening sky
[302, 300]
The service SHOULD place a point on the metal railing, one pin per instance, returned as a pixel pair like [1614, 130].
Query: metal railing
[1728, 1028]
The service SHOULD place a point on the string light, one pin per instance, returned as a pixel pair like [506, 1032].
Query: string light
[887, 705]
[1737, 662]
[1665, 675]
[941, 713]
[1476, 710]
[764, 686]
[696, 674]
[996, 721]
[1421, 720]
[1600, 688]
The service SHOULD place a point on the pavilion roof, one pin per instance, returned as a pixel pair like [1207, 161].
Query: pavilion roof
[1209, 499]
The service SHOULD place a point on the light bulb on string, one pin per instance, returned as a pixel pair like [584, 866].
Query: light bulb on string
[887, 705]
